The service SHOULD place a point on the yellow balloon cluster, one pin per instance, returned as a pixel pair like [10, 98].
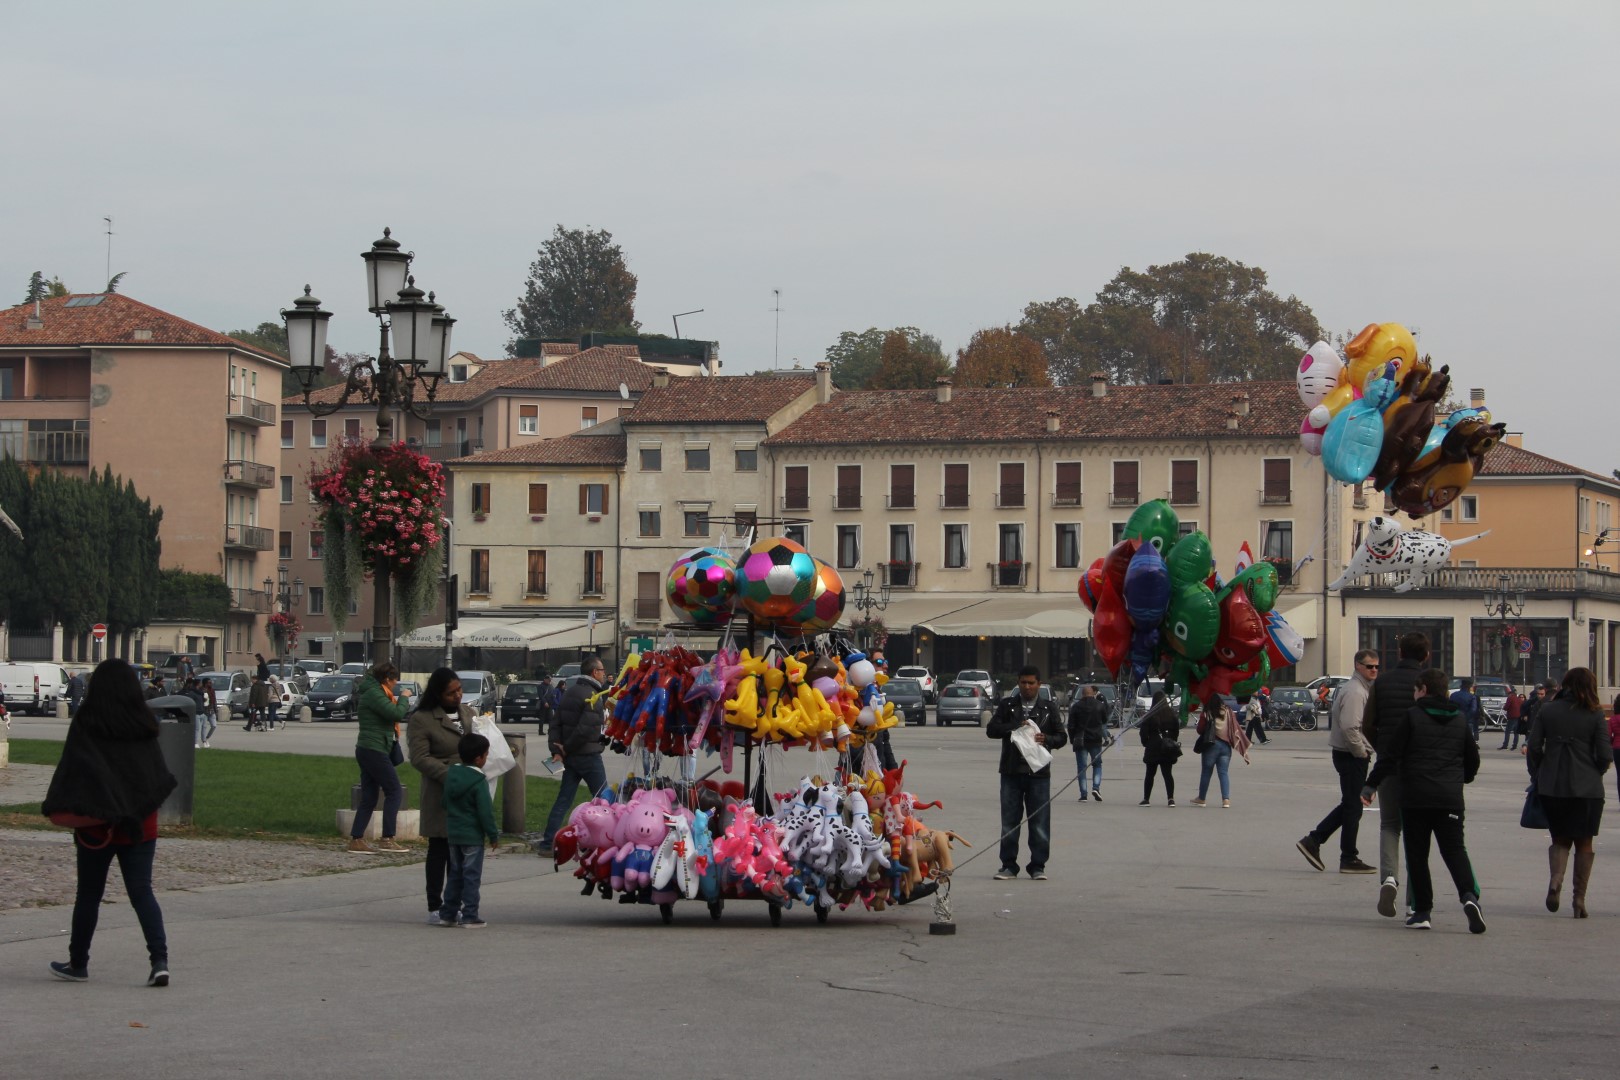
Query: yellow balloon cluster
[804, 700]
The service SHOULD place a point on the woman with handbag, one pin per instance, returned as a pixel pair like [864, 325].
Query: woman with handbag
[1160, 733]
[434, 739]
[1219, 733]
[1569, 750]
[377, 751]
[108, 785]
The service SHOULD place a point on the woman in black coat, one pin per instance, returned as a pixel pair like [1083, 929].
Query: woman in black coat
[1569, 752]
[109, 784]
[1158, 730]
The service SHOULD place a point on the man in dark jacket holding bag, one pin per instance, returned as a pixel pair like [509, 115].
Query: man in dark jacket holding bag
[576, 745]
[1088, 731]
[1434, 754]
[1390, 700]
[1029, 729]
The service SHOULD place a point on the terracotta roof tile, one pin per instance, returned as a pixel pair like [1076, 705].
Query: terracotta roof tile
[570, 450]
[719, 399]
[600, 369]
[1509, 460]
[109, 319]
[1019, 414]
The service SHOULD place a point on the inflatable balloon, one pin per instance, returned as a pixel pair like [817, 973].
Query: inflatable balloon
[1319, 371]
[1352, 442]
[1193, 619]
[1436, 479]
[826, 604]
[1378, 344]
[775, 578]
[1154, 522]
[1438, 433]
[1408, 421]
[1111, 628]
[1310, 437]
[1090, 586]
[1243, 631]
[700, 585]
[1147, 587]
[1117, 561]
[1284, 646]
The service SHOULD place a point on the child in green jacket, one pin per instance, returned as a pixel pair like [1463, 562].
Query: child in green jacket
[470, 817]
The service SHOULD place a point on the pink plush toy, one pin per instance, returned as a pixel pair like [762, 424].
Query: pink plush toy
[640, 831]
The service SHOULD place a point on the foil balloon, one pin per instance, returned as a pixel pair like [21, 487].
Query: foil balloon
[1353, 440]
[826, 604]
[1117, 561]
[1377, 345]
[1436, 479]
[1111, 628]
[1310, 437]
[1319, 371]
[1154, 522]
[1284, 645]
[1147, 587]
[1090, 586]
[775, 578]
[1193, 619]
[1243, 631]
[700, 585]
[1409, 420]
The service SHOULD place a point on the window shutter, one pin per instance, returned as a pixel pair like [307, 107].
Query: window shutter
[584, 498]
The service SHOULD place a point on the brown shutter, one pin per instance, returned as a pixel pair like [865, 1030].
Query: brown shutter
[956, 486]
[1125, 485]
[902, 486]
[584, 499]
[849, 487]
[1278, 479]
[796, 480]
[1184, 481]
[1068, 483]
[1012, 483]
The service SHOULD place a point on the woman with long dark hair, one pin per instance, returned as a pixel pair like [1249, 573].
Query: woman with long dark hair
[1160, 732]
[434, 737]
[109, 784]
[1569, 751]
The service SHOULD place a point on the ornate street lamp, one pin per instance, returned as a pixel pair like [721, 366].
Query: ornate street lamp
[284, 596]
[1505, 603]
[866, 601]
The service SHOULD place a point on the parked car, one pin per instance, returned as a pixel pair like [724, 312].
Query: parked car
[1293, 708]
[909, 700]
[1109, 694]
[1492, 694]
[962, 703]
[922, 675]
[981, 679]
[1144, 697]
[294, 694]
[19, 688]
[408, 688]
[567, 671]
[479, 690]
[354, 667]
[332, 697]
[231, 688]
[316, 668]
[170, 667]
[524, 700]
[1332, 682]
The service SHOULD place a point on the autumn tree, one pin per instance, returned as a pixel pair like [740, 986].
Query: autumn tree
[579, 283]
[1001, 356]
[857, 357]
[1204, 318]
[909, 363]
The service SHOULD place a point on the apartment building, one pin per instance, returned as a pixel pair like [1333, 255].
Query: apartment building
[88, 381]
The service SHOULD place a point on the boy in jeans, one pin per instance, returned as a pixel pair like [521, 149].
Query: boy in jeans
[470, 817]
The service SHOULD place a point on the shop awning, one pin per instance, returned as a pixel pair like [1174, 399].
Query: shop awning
[1302, 616]
[490, 633]
[1040, 616]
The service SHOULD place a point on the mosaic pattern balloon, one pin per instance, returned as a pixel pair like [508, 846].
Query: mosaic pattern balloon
[826, 604]
[701, 584]
[776, 578]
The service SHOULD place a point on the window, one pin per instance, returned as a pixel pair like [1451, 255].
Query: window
[695, 523]
[351, 427]
[537, 498]
[317, 600]
[902, 557]
[478, 576]
[528, 419]
[286, 489]
[1605, 512]
[536, 585]
[587, 416]
[592, 498]
[799, 534]
[284, 545]
[902, 487]
[1067, 546]
[434, 432]
[747, 459]
[458, 373]
[1126, 490]
[1445, 513]
[1184, 528]
[849, 547]
[1184, 482]
[1119, 532]
[1277, 548]
[849, 487]
[955, 495]
[1010, 544]
[1011, 492]
[317, 434]
[956, 546]
[1468, 507]
[1278, 483]
[1066, 484]
[652, 458]
[1583, 515]
[317, 543]
[796, 487]
[354, 605]
[649, 589]
[480, 498]
[650, 521]
[697, 459]
[592, 582]
[286, 434]
[746, 519]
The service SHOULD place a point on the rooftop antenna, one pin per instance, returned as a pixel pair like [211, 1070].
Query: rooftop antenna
[676, 319]
[108, 220]
[776, 348]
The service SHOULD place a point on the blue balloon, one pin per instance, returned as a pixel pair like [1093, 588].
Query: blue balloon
[1353, 439]
[1147, 587]
[1144, 651]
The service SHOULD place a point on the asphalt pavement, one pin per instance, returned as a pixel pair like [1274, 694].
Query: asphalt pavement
[1167, 943]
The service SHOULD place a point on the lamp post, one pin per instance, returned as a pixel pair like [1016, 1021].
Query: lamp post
[1505, 603]
[867, 601]
[418, 329]
[284, 595]
[1604, 536]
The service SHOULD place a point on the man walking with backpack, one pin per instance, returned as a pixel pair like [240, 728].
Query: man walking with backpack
[1391, 699]
[1088, 731]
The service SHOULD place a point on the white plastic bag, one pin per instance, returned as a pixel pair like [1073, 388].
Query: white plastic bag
[500, 752]
[1036, 756]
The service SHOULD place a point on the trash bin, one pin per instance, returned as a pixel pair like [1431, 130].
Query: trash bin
[177, 732]
[514, 789]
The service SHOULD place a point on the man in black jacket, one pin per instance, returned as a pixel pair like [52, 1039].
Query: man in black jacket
[1435, 754]
[1390, 700]
[1088, 731]
[1026, 791]
[576, 744]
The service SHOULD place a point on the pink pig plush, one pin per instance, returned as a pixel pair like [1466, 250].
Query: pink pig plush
[641, 829]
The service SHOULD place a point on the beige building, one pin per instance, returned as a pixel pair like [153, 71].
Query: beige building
[187, 414]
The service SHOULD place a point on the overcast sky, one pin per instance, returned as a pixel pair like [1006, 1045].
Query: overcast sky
[1451, 166]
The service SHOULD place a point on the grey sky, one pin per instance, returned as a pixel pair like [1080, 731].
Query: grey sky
[1447, 165]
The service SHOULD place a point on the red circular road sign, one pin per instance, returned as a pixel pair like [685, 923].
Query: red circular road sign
[99, 631]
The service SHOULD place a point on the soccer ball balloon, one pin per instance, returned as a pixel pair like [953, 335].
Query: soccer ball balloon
[701, 584]
[826, 604]
[776, 578]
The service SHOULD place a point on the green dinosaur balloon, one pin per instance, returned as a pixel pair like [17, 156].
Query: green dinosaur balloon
[1193, 620]
[1260, 580]
[1189, 560]
[1154, 523]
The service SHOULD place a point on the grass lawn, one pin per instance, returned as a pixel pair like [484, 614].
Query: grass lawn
[269, 796]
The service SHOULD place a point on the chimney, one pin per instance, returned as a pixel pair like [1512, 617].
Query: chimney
[34, 322]
[141, 335]
[1515, 438]
[1476, 397]
[942, 390]
[660, 378]
[824, 386]
[1231, 420]
[1052, 421]
[1240, 403]
[1099, 384]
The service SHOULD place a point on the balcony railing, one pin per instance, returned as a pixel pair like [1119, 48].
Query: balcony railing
[1008, 575]
[250, 537]
[1276, 496]
[1066, 497]
[250, 474]
[251, 410]
[1552, 583]
[1010, 498]
[250, 600]
[446, 451]
[1187, 496]
[900, 574]
[847, 499]
[535, 590]
[903, 499]
[1124, 497]
[646, 610]
[57, 448]
[796, 500]
[954, 498]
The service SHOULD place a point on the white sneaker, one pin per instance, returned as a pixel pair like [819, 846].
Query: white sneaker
[196, 746]
[205, 745]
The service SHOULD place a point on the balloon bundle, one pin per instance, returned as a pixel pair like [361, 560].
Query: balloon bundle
[1372, 418]
[776, 581]
[1158, 602]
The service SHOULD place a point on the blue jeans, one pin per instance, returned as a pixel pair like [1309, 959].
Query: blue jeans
[462, 883]
[206, 724]
[1218, 756]
[576, 767]
[135, 864]
[1081, 754]
[376, 775]
[1022, 794]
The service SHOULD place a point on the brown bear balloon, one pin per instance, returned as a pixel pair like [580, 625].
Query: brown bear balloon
[1408, 420]
[1436, 479]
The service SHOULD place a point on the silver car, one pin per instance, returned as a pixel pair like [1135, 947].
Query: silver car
[961, 703]
[479, 690]
[981, 679]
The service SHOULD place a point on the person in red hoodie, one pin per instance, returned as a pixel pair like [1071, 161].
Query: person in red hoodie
[108, 785]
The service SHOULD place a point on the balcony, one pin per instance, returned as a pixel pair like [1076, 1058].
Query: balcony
[647, 610]
[1066, 497]
[954, 498]
[249, 538]
[795, 500]
[250, 601]
[847, 499]
[1124, 497]
[250, 474]
[1470, 582]
[1185, 496]
[247, 410]
[43, 446]
[1009, 574]
[1284, 496]
[902, 499]
[899, 574]
[592, 591]
[536, 590]
[446, 451]
[1010, 499]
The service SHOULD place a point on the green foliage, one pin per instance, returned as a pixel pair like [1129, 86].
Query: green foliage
[857, 359]
[909, 362]
[181, 594]
[37, 289]
[1202, 319]
[579, 283]
[114, 281]
[1001, 356]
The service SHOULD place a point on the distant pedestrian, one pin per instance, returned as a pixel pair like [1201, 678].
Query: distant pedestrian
[434, 741]
[380, 711]
[76, 684]
[1614, 739]
[1512, 710]
[469, 819]
[1254, 715]
[154, 689]
[1393, 692]
[1468, 706]
[200, 719]
[1352, 755]
[1434, 753]
[1569, 750]
[1026, 724]
[274, 704]
[112, 773]
[258, 704]
[1088, 733]
[576, 743]
[1160, 734]
[1224, 736]
[210, 709]
[263, 669]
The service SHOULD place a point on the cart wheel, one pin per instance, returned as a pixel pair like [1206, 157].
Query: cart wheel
[822, 913]
[776, 914]
[715, 908]
[667, 911]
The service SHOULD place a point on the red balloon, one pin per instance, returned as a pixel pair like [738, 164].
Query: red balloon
[1243, 630]
[1111, 628]
[1117, 561]
[1090, 586]
[1222, 677]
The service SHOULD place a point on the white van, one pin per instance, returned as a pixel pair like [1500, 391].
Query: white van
[19, 687]
[53, 685]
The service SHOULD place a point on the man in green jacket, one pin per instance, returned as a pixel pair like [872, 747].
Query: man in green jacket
[470, 817]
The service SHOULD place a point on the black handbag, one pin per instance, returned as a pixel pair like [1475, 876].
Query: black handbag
[1534, 815]
[1201, 744]
[396, 756]
[1170, 747]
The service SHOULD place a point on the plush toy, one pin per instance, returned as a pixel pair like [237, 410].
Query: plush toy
[1388, 549]
[640, 831]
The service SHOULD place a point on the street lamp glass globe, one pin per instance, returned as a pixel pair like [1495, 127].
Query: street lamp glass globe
[411, 324]
[385, 272]
[439, 351]
[306, 333]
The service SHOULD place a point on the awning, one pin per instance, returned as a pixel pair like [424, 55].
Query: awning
[1302, 617]
[1040, 616]
[489, 633]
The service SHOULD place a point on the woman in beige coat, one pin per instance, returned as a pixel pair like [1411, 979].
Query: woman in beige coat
[434, 735]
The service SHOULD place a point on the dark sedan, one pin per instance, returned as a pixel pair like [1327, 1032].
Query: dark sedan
[524, 701]
[909, 700]
[333, 698]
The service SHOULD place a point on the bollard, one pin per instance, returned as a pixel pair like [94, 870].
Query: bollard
[61, 708]
[514, 789]
[176, 741]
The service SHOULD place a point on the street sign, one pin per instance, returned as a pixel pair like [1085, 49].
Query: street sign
[99, 631]
[1526, 647]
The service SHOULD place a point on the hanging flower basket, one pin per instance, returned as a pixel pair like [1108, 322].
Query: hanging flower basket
[873, 629]
[285, 628]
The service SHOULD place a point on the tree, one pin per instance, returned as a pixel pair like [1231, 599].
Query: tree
[1001, 356]
[114, 281]
[856, 357]
[909, 363]
[37, 289]
[272, 338]
[1202, 319]
[579, 284]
